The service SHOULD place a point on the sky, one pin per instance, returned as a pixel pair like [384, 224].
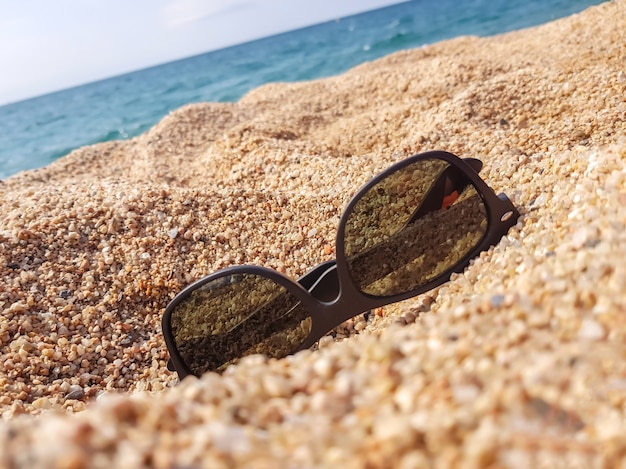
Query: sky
[49, 45]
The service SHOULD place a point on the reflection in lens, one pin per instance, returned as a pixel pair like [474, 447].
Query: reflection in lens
[237, 315]
[413, 226]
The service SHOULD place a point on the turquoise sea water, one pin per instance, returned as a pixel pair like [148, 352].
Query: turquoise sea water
[37, 131]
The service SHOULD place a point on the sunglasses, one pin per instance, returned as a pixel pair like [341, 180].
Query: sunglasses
[404, 233]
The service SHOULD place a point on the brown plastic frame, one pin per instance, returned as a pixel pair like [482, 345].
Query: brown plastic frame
[327, 291]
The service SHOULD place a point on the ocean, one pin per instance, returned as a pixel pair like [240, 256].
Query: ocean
[37, 131]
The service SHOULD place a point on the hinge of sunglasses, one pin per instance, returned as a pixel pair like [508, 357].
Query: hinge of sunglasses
[507, 215]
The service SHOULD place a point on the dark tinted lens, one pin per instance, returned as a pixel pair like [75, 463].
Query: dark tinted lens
[413, 226]
[237, 315]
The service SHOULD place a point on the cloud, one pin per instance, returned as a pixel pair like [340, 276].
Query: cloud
[179, 13]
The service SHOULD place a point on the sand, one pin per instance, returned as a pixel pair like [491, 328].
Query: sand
[517, 362]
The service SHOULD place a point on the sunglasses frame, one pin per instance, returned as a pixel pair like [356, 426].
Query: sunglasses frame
[350, 301]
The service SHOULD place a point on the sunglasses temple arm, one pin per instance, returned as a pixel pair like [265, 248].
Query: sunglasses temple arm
[322, 282]
[308, 280]
[474, 163]
[450, 180]
[510, 212]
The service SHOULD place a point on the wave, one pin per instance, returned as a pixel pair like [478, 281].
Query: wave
[397, 41]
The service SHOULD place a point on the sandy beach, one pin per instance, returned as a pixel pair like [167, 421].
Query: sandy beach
[518, 362]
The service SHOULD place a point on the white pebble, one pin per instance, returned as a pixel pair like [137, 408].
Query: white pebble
[465, 393]
[591, 330]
